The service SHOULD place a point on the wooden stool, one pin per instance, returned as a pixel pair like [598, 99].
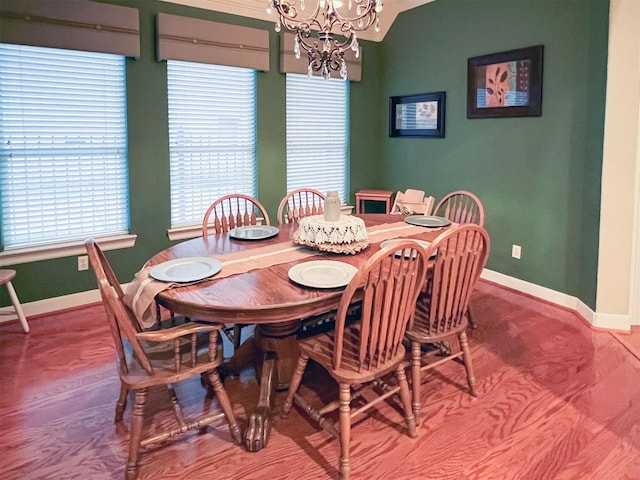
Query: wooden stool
[5, 278]
[375, 196]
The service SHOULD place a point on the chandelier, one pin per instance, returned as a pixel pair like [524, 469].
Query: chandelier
[330, 18]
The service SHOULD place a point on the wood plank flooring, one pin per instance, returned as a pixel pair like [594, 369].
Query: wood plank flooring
[557, 400]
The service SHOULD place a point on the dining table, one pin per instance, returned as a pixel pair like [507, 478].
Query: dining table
[254, 287]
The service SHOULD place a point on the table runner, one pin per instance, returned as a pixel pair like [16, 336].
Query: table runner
[141, 292]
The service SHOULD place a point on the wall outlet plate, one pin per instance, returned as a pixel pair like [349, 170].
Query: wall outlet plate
[516, 251]
[83, 263]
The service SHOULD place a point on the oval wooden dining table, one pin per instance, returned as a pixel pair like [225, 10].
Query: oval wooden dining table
[267, 298]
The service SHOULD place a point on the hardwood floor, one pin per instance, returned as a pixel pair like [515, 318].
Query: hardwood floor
[557, 400]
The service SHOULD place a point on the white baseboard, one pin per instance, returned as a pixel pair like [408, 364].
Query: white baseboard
[611, 321]
[598, 320]
[49, 305]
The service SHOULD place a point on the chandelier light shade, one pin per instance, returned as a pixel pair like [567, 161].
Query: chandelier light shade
[333, 20]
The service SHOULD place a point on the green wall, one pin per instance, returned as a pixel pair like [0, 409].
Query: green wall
[539, 178]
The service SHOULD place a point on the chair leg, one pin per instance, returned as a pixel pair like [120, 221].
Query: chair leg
[345, 430]
[17, 307]
[225, 404]
[466, 358]
[294, 384]
[121, 404]
[177, 410]
[416, 356]
[405, 396]
[237, 332]
[472, 322]
[131, 471]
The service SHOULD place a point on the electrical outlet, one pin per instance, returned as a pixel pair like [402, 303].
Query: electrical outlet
[83, 263]
[516, 251]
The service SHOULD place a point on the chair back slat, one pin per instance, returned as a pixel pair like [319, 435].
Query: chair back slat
[461, 207]
[411, 202]
[388, 286]
[231, 211]
[462, 253]
[403, 303]
[300, 203]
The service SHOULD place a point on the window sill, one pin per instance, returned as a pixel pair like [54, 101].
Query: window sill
[14, 256]
[184, 233]
[192, 231]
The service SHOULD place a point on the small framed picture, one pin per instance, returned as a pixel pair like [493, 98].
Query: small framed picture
[505, 84]
[417, 115]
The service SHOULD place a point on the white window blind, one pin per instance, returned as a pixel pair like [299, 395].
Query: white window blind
[318, 134]
[212, 136]
[63, 152]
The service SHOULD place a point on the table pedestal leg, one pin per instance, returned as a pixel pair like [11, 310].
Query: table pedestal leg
[274, 350]
[259, 422]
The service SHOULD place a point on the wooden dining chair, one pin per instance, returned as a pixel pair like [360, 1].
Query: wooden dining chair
[231, 211]
[227, 213]
[153, 358]
[299, 203]
[442, 310]
[461, 207]
[412, 202]
[360, 351]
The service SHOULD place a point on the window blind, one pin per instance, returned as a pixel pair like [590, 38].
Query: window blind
[63, 152]
[318, 134]
[212, 136]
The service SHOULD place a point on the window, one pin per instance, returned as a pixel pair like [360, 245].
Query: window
[63, 152]
[318, 134]
[212, 136]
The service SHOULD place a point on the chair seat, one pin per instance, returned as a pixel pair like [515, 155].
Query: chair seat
[320, 348]
[161, 356]
[422, 332]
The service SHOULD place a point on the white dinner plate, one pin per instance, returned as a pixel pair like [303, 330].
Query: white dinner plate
[427, 221]
[254, 232]
[322, 274]
[188, 269]
[422, 243]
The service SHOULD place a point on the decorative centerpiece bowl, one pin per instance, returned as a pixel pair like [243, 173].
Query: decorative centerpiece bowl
[347, 234]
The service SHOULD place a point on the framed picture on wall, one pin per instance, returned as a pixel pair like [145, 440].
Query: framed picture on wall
[505, 84]
[417, 115]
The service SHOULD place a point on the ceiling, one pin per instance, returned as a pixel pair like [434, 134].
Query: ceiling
[257, 9]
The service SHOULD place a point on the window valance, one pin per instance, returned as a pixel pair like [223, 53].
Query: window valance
[290, 64]
[71, 24]
[204, 41]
